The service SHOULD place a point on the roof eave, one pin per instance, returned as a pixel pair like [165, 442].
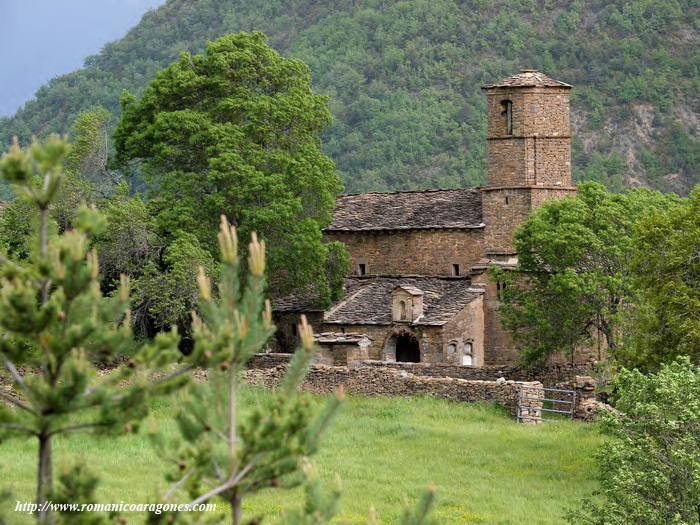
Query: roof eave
[403, 228]
[563, 85]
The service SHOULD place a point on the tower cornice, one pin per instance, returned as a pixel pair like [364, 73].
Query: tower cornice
[529, 187]
[534, 136]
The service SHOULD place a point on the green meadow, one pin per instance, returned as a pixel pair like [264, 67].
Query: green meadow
[486, 468]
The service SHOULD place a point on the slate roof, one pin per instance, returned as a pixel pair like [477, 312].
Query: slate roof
[299, 302]
[410, 289]
[330, 338]
[528, 78]
[408, 210]
[368, 300]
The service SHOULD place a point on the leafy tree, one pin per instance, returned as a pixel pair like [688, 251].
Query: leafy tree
[666, 267]
[87, 179]
[52, 303]
[130, 242]
[236, 131]
[165, 292]
[574, 259]
[650, 469]
[90, 150]
[16, 228]
[79, 185]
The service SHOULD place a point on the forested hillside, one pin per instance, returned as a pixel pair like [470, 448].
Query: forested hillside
[404, 76]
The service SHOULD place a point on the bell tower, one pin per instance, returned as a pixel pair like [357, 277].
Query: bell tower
[529, 152]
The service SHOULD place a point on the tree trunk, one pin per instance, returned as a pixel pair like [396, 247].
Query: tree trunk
[609, 338]
[236, 509]
[233, 445]
[44, 480]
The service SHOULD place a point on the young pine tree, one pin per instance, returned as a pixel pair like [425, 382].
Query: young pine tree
[223, 454]
[54, 320]
[226, 454]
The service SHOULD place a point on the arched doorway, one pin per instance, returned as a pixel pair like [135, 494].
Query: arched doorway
[407, 349]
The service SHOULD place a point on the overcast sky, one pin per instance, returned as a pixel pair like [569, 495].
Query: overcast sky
[40, 39]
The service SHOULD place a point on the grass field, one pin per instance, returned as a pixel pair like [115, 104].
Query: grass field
[487, 469]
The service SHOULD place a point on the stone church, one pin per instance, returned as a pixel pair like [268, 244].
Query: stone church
[419, 289]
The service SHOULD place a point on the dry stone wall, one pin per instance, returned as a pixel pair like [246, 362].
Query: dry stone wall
[376, 381]
[551, 375]
[268, 360]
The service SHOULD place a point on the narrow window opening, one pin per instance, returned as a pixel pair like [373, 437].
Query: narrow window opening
[455, 269]
[508, 114]
[500, 287]
[362, 269]
[507, 201]
[468, 358]
[294, 330]
[402, 308]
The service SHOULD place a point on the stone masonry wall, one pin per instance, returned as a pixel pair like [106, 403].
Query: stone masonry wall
[429, 338]
[466, 327]
[370, 381]
[412, 252]
[499, 348]
[549, 161]
[538, 196]
[551, 375]
[505, 209]
[286, 337]
[377, 334]
[538, 151]
[507, 162]
[268, 360]
[540, 112]
[340, 355]
[530, 161]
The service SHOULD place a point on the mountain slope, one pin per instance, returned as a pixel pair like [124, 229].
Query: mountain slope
[404, 78]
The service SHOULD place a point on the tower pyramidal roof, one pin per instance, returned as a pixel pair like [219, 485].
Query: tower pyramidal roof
[528, 78]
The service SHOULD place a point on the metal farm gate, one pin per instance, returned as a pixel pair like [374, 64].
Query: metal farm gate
[533, 401]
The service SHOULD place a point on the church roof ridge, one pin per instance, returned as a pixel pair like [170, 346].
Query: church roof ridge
[528, 78]
[427, 190]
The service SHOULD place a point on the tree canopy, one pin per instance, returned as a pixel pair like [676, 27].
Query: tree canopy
[575, 269]
[666, 267]
[649, 468]
[235, 131]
